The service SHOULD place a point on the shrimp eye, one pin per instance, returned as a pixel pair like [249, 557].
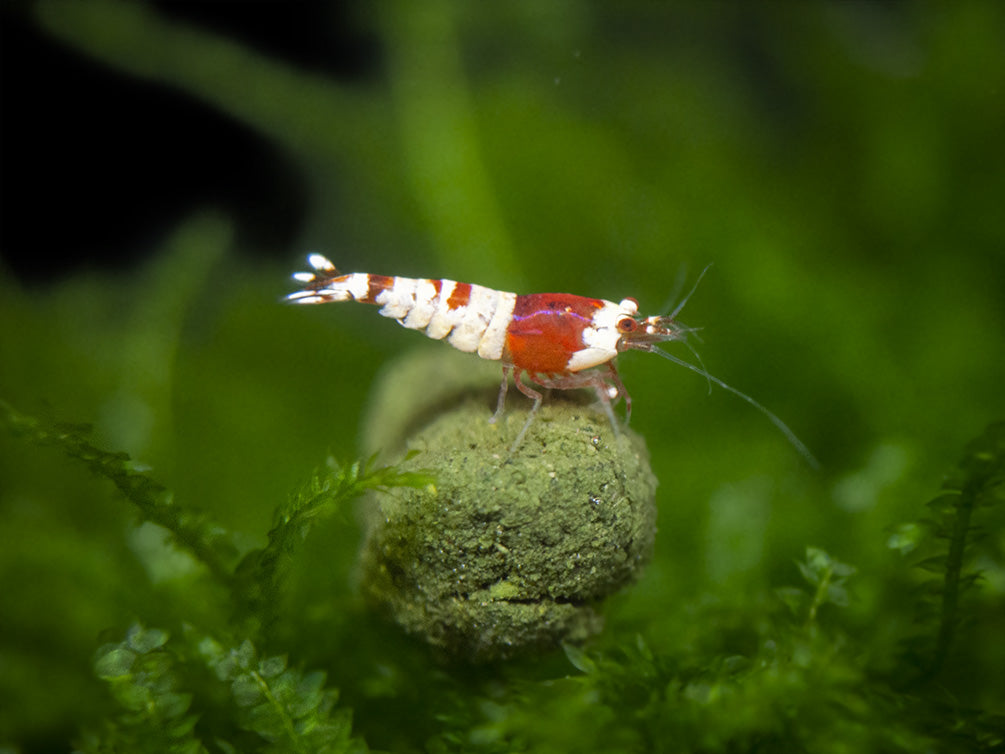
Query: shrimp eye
[627, 325]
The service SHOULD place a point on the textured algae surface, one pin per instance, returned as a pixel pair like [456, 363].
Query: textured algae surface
[511, 552]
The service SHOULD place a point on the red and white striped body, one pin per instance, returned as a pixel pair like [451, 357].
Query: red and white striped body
[555, 338]
[541, 333]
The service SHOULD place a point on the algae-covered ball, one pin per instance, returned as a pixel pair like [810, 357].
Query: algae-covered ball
[508, 552]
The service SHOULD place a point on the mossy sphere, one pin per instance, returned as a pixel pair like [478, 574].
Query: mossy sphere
[510, 552]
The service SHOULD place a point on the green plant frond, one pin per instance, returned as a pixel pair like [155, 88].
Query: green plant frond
[290, 709]
[192, 529]
[144, 678]
[261, 573]
[286, 709]
[827, 577]
[950, 550]
[796, 690]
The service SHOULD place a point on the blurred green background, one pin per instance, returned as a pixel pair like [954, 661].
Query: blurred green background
[840, 164]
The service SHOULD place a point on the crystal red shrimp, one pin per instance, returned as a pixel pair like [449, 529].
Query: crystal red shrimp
[556, 339]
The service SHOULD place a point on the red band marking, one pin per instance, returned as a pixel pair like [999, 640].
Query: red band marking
[460, 296]
[376, 284]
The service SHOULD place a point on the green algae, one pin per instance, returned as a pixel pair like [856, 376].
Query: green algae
[509, 551]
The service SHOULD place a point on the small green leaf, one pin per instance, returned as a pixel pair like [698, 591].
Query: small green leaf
[272, 666]
[794, 598]
[245, 655]
[837, 595]
[116, 662]
[308, 695]
[246, 690]
[905, 538]
[145, 640]
[173, 704]
[579, 659]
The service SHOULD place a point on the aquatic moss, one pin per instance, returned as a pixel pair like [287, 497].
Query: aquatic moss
[511, 551]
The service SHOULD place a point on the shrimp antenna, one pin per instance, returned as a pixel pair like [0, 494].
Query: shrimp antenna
[678, 285]
[782, 426]
[694, 287]
[701, 364]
